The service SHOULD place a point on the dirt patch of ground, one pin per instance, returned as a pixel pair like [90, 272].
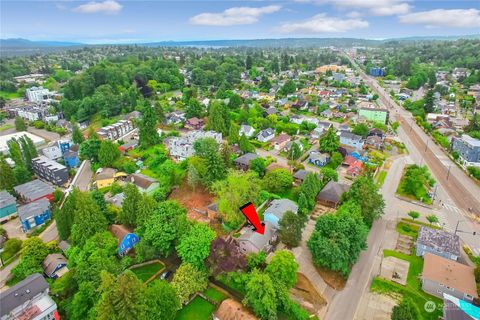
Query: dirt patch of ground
[304, 292]
[195, 201]
[332, 278]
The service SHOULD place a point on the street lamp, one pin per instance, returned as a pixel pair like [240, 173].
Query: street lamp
[448, 173]
[456, 229]
[426, 145]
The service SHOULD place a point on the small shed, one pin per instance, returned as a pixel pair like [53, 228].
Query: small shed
[126, 239]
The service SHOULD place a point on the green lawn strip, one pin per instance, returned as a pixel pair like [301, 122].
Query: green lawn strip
[214, 294]
[426, 224]
[414, 285]
[381, 178]
[6, 126]
[227, 281]
[146, 271]
[408, 229]
[9, 95]
[197, 309]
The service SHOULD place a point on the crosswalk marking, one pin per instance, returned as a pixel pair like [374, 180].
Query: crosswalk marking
[451, 208]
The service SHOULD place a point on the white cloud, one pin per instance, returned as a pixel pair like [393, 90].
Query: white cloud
[459, 18]
[321, 23]
[354, 14]
[233, 16]
[107, 6]
[373, 7]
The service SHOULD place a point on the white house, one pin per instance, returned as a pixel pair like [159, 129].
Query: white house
[246, 130]
[266, 135]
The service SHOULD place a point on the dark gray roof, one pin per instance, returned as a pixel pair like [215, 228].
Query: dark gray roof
[300, 174]
[279, 207]
[22, 292]
[257, 239]
[246, 158]
[51, 262]
[350, 136]
[6, 199]
[266, 133]
[33, 209]
[439, 240]
[34, 189]
[333, 191]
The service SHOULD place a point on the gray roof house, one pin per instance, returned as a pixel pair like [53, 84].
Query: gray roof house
[8, 205]
[246, 130]
[351, 140]
[254, 242]
[319, 159]
[469, 150]
[28, 299]
[33, 190]
[277, 209]
[243, 162]
[266, 135]
[55, 265]
[438, 242]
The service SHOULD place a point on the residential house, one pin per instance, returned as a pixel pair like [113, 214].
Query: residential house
[130, 145]
[52, 152]
[253, 242]
[181, 148]
[243, 162]
[318, 159]
[28, 300]
[351, 140]
[54, 265]
[194, 123]
[50, 170]
[266, 135]
[8, 206]
[37, 94]
[116, 131]
[280, 141]
[299, 176]
[377, 133]
[277, 209]
[230, 309]
[374, 142]
[105, 177]
[126, 239]
[64, 246]
[457, 309]
[439, 242]
[269, 111]
[144, 183]
[355, 169]
[442, 275]
[117, 200]
[246, 130]
[34, 190]
[34, 214]
[468, 149]
[71, 159]
[331, 194]
[175, 117]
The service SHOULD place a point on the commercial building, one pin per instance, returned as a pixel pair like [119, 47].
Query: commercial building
[374, 114]
[468, 149]
[50, 170]
[8, 206]
[37, 141]
[28, 300]
[438, 242]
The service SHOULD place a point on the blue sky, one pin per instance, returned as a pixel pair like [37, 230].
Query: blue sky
[117, 21]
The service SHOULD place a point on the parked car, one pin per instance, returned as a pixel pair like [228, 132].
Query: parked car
[165, 275]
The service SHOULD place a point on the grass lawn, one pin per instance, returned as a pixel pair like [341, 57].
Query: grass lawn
[408, 229]
[197, 309]
[228, 281]
[146, 271]
[6, 126]
[381, 178]
[413, 289]
[423, 181]
[9, 95]
[214, 294]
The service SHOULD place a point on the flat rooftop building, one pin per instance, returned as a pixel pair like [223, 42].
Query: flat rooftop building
[50, 170]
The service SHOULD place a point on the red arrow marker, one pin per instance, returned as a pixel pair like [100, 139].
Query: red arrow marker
[250, 213]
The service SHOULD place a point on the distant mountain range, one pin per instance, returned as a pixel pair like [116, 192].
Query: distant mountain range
[19, 46]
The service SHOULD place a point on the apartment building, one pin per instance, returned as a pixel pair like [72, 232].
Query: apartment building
[50, 170]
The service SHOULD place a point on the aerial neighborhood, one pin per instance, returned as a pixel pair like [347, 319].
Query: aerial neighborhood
[123, 170]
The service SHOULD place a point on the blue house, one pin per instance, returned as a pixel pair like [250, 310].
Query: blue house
[318, 159]
[377, 72]
[71, 158]
[34, 214]
[277, 210]
[8, 205]
[126, 239]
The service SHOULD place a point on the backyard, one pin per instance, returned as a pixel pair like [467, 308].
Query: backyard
[197, 309]
[146, 271]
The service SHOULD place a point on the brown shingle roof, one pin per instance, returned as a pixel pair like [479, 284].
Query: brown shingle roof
[450, 273]
[141, 180]
[119, 231]
[233, 310]
[333, 191]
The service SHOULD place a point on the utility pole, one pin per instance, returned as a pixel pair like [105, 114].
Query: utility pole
[426, 145]
[448, 173]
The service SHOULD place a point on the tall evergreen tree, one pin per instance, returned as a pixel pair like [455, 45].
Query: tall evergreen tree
[77, 136]
[130, 205]
[15, 152]
[148, 128]
[65, 217]
[88, 220]
[7, 176]
[218, 119]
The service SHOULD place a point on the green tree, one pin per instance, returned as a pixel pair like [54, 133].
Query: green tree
[90, 148]
[364, 191]
[205, 146]
[130, 205]
[16, 152]
[22, 175]
[162, 301]
[328, 174]
[145, 209]
[122, 297]
[88, 220]
[187, 281]
[218, 119]
[194, 109]
[193, 177]
[235, 101]
[283, 268]
[20, 124]
[289, 87]
[248, 62]
[294, 152]
[77, 135]
[166, 225]
[335, 160]
[245, 145]
[278, 180]
[429, 101]
[7, 176]
[233, 134]
[108, 153]
[290, 228]
[406, 310]
[194, 246]
[237, 189]
[432, 219]
[258, 165]
[329, 142]
[64, 217]
[34, 251]
[148, 128]
[265, 84]
[261, 295]
[414, 214]
[360, 129]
